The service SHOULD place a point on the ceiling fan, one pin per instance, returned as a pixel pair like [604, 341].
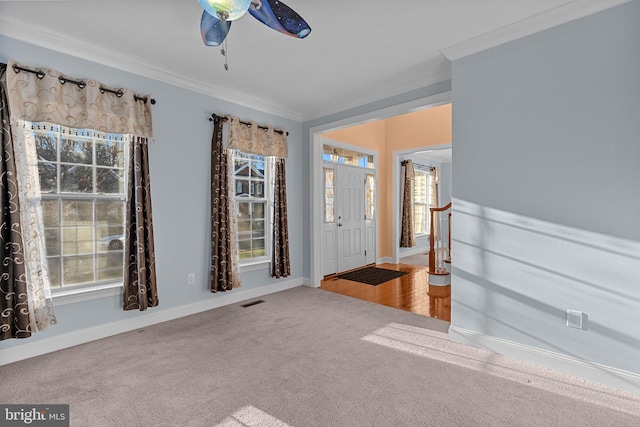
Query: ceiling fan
[218, 15]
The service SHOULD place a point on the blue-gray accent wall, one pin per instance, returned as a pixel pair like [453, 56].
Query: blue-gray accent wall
[546, 169]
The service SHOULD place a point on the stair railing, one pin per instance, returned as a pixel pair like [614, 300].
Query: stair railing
[439, 244]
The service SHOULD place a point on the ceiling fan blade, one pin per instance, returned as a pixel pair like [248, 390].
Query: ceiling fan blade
[213, 30]
[280, 17]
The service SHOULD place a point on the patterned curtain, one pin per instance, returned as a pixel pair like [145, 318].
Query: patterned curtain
[14, 305]
[82, 104]
[224, 271]
[30, 249]
[407, 234]
[140, 288]
[49, 96]
[250, 137]
[280, 262]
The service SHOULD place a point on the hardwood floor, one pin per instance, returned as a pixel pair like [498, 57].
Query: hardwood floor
[410, 292]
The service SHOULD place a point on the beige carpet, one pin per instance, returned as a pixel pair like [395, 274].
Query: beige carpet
[306, 357]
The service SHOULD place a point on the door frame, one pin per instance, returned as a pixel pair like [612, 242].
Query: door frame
[397, 193]
[366, 171]
[315, 163]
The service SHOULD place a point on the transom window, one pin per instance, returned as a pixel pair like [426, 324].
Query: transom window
[346, 157]
[252, 176]
[82, 181]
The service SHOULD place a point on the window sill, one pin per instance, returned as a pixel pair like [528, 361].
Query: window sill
[73, 296]
[255, 265]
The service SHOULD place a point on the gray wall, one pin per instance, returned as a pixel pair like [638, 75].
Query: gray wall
[179, 163]
[445, 183]
[546, 189]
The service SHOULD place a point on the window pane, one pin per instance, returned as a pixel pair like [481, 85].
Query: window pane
[77, 212]
[420, 188]
[329, 213]
[258, 210]
[52, 241]
[76, 179]
[110, 212]
[242, 187]
[244, 229]
[50, 213]
[244, 210]
[48, 177]
[258, 228]
[244, 249]
[110, 266]
[77, 240]
[76, 150]
[420, 218]
[239, 166]
[370, 196]
[110, 238]
[257, 189]
[78, 269]
[53, 265]
[46, 146]
[258, 248]
[109, 181]
[110, 153]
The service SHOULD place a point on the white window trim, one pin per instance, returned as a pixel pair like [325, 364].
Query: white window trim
[257, 263]
[66, 296]
[72, 294]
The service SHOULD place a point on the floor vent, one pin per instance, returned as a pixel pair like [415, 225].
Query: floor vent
[249, 304]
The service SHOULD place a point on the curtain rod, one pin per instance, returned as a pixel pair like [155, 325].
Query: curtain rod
[419, 165]
[214, 117]
[81, 84]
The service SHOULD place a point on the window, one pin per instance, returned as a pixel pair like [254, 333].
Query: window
[329, 201]
[253, 201]
[370, 194]
[421, 202]
[82, 181]
[347, 157]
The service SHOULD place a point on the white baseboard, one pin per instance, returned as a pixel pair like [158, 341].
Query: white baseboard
[59, 342]
[384, 260]
[612, 377]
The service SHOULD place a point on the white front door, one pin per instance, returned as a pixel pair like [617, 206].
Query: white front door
[350, 217]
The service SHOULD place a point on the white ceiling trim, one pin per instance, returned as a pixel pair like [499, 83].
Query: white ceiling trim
[557, 16]
[421, 82]
[94, 53]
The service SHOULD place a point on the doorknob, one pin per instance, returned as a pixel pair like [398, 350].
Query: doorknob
[339, 224]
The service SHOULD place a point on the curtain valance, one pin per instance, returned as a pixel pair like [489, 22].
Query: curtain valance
[49, 96]
[257, 139]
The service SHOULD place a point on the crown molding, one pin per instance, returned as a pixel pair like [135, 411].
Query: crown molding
[559, 15]
[98, 54]
[440, 75]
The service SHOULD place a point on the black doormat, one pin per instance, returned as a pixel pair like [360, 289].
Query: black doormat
[372, 275]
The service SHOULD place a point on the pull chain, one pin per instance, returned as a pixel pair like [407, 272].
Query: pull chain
[224, 51]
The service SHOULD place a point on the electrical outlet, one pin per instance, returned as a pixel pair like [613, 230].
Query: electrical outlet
[574, 319]
[191, 278]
